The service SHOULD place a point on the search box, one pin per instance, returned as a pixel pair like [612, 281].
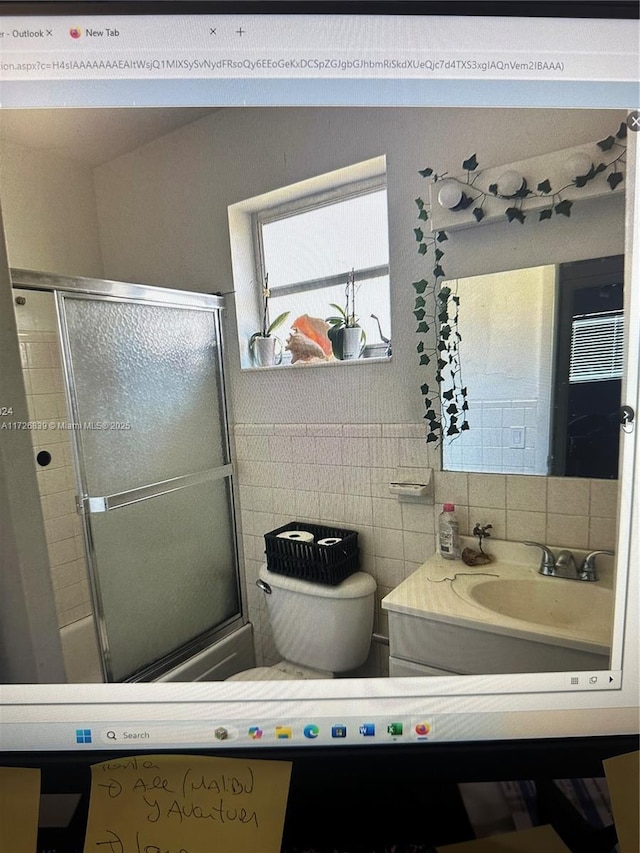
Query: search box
[160, 734]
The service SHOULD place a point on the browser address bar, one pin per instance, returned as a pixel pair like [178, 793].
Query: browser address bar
[197, 63]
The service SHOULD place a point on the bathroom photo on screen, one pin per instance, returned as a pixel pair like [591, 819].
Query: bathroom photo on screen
[315, 393]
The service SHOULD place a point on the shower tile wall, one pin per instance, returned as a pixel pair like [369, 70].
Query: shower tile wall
[339, 474]
[44, 383]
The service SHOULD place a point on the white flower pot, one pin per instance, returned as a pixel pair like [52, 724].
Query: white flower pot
[351, 344]
[264, 352]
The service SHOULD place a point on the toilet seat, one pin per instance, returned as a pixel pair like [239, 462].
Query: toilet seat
[283, 671]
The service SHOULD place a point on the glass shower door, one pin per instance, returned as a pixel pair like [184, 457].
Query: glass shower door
[147, 400]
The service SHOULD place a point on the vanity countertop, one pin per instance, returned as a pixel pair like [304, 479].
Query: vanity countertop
[443, 590]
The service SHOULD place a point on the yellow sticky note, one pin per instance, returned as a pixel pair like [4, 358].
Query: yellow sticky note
[623, 781]
[526, 841]
[19, 807]
[187, 804]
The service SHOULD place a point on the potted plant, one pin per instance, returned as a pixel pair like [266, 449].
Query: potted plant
[262, 344]
[347, 337]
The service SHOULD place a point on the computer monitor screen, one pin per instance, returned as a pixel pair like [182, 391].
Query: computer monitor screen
[320, 345]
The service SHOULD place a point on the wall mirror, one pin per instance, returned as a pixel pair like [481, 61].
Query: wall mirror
[542, 358]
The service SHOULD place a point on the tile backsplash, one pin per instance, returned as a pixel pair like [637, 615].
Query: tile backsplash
[339, 474]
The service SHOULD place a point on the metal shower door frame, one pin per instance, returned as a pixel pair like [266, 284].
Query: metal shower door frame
[86, 504]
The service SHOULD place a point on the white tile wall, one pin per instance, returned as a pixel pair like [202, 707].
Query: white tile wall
[340, 474]
[489, 445]
[47, 407]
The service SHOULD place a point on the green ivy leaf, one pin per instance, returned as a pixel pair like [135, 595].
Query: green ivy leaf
[478, 213]
[426, 173]
[465, 406]
[423, 215]
[445, 332]
[607, 144]
[463, 391]
[438, 254]
[432, 437]
[431, 415]
[422, 249]
[419, 202]
[441, 346]
[420, 286]
[448, 395]
[424, 359]
[441, 364]
[544, 186]
[493, 189]
[420, 347]
[422, 329]
[545, 214]
[564, 208]
[443, 316]
[442, 236]
[470, 164]
[424, 389]
[439, 378]
[464, 426]
[514, 213]
[622, 131]
[614, 179]
[419, 234]
[419, 303]
[452, 409]
[453, 430]
[445, 293]
[438, 271]
[456, 300]
[419, 314]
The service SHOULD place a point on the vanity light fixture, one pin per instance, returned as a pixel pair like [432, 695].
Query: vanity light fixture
[578, 165]
[554, 182]
[510, 183]
[452, 197]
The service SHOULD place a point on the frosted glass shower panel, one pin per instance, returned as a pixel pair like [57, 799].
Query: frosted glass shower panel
[146, 383]
[166, 570]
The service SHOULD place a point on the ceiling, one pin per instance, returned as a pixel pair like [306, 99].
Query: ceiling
[93, 136]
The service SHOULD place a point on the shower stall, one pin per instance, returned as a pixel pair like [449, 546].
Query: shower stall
[137, 412]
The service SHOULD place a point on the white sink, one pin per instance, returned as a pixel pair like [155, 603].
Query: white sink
[501, 617]
[544, 601]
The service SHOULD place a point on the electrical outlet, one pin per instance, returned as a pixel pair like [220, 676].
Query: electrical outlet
[517, 437]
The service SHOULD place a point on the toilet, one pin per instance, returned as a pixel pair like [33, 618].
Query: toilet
[318, 629]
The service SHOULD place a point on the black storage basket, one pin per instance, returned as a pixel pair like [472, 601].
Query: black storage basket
[329, 564]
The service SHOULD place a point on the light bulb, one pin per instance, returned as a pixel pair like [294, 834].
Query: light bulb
[578, 165]
[450, 195]
[510, 183]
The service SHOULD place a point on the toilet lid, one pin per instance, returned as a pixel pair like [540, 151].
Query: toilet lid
[263, 673]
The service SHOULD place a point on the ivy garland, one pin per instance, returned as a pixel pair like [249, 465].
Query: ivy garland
[437, 307]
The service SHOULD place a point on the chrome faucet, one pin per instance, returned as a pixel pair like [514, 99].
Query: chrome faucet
[588, 568]
[563, 565]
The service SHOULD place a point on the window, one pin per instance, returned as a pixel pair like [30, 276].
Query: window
[310, 246]
[597, 347]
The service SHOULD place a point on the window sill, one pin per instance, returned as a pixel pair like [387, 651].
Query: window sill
[301, 365]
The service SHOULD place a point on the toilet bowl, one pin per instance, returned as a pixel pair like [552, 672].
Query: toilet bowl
[317, 629]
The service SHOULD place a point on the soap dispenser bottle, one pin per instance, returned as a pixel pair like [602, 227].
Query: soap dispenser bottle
[448, 533]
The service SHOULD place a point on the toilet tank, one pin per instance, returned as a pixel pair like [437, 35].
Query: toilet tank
[319, 626]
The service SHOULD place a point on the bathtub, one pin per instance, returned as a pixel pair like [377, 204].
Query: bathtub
[229, 655]
[80, 652]
[215, 663]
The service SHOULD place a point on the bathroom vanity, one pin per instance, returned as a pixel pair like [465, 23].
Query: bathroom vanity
[448, 618]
